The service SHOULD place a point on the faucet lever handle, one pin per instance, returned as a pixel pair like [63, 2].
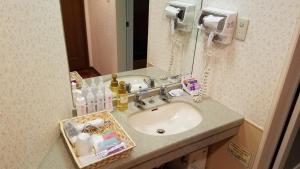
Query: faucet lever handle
[139, 94]
[138, 99]
[128, 87]
[163, 90]
[152, 83]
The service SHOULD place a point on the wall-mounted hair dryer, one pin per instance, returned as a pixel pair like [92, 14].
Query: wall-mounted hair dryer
[181, 15]
[218, 24]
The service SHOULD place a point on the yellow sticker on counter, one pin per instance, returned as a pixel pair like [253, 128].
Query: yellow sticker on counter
[240, 154]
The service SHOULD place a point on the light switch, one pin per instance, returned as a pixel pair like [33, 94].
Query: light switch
[241, 29]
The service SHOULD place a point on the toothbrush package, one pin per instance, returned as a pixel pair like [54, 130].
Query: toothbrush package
[190, 84]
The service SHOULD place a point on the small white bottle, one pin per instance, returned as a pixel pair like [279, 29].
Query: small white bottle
[108, 100]
[101, 85]
[84, 88]
[90, 99]
[75, 92]
[100, 100]
[80, 105]
[93, 86]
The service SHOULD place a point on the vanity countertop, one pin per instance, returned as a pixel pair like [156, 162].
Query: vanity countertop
[152, 72]
[217, 118]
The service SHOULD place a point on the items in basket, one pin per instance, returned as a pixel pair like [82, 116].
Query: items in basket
[106, 141]
[82, 145]
[86, 160]
[103, 145]
[73, 129]
[87, 140]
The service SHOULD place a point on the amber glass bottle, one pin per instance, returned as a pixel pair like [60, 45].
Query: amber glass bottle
[114, 85]
[122, 97]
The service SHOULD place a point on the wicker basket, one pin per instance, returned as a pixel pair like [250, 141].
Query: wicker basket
[115, 126]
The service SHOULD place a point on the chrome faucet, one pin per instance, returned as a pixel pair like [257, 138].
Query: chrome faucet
[128, 87]
[138, 100]
[163, 94]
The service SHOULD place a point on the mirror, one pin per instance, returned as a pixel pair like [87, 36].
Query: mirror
[138, 39]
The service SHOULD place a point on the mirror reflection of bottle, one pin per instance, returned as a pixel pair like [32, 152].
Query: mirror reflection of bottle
[90, 98]
[101, 85]
[99, 100]
[93, 86]
[84, 88]
[75, 92]
[80, 105]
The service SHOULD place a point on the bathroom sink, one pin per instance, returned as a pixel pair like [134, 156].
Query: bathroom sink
[136, 81]
[168, 119]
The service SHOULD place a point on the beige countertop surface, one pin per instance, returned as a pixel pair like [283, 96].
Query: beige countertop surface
[217, 118]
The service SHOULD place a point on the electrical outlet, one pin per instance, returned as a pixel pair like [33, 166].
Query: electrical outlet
[241, 29]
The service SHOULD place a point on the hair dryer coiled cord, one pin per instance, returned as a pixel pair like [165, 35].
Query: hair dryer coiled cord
[204, 83]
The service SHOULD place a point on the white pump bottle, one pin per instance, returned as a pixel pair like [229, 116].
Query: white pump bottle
[90, 98]
[80, 105]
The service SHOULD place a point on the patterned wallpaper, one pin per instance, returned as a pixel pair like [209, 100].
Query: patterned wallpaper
[246, 74]
[35, 93]
[160, 40]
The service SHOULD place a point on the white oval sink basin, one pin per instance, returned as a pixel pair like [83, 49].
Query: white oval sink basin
[137, 82]
[168, 119]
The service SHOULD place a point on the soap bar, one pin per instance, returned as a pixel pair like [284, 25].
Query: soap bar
[110, 135]
[111, 142]
[95, 141]
[106, 144]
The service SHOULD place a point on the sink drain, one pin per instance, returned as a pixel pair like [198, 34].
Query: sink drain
[160, 131]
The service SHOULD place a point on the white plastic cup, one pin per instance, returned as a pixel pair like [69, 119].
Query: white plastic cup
[82, 145]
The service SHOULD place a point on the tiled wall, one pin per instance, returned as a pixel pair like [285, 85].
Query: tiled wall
[35, 92]
[246, 73]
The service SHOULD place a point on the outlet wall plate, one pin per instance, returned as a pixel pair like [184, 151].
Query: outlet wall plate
[241, 29]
